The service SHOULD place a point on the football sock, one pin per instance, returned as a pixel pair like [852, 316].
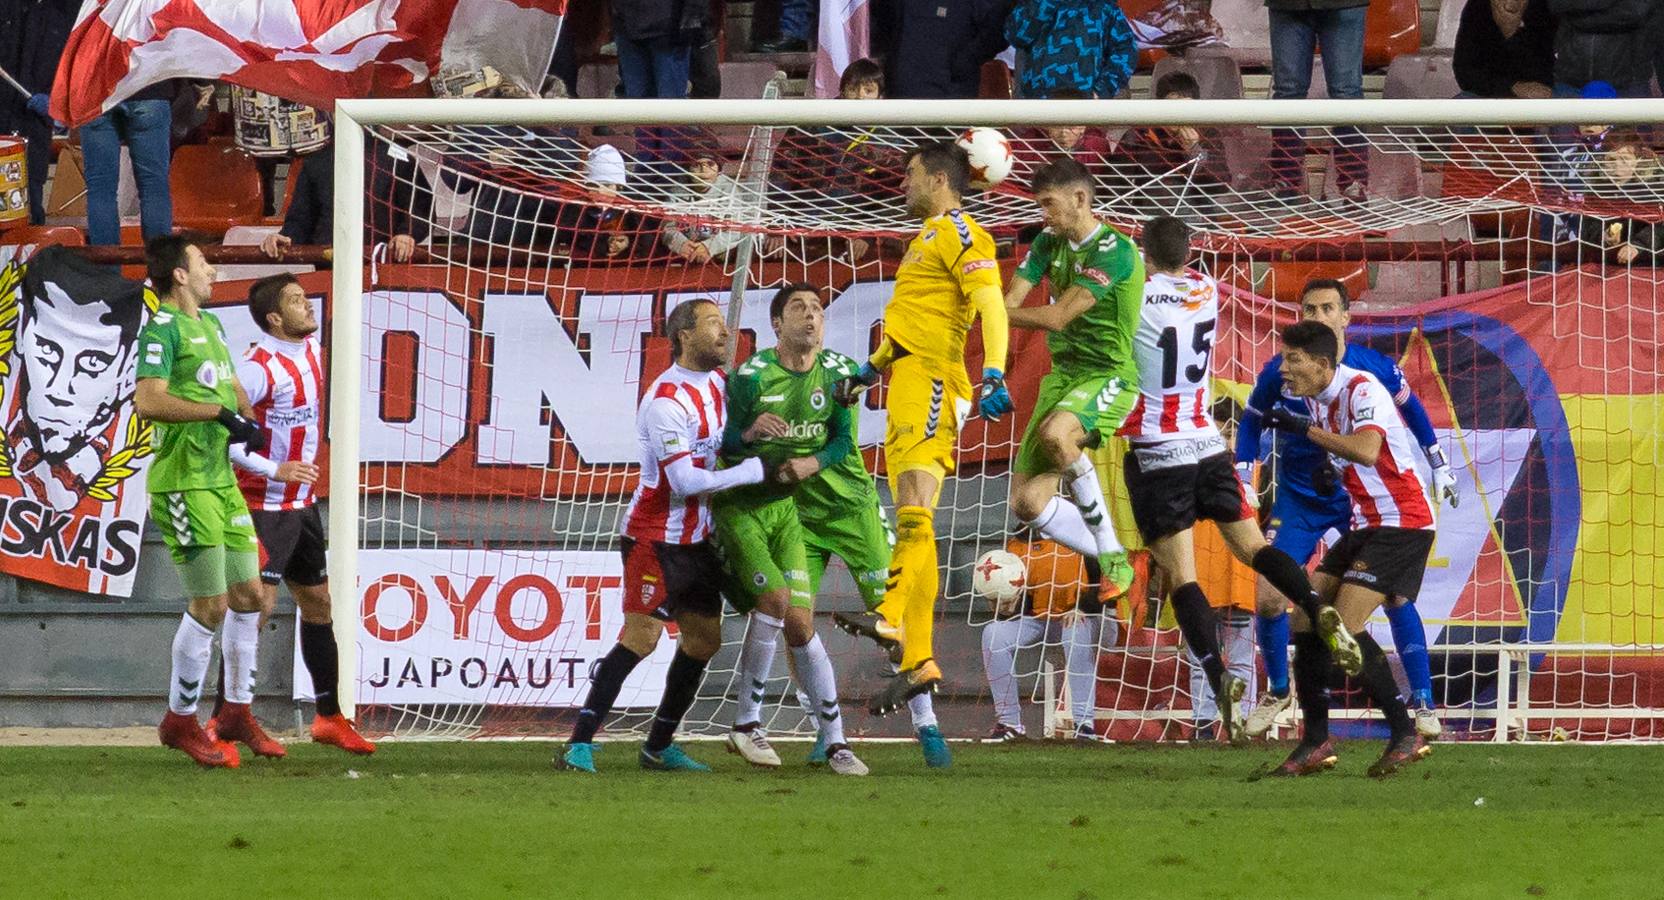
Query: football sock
[239, 644]
[323, 663]
[1200, 628]
[916, 553]
[756, 662]
[219, 690]
[814, 668]
[1080, 652]
[1382, 687]
[1287, 577]
[1273, 635]
[1237, 643]
[606, 679]
[193, 643]
[922, 710]
[1089, 496]
[999, 661]
[1410, 637]
[1061, 521]
[681, 683]
[1311, 683]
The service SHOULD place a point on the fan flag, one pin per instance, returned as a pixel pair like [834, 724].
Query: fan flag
[310, 51]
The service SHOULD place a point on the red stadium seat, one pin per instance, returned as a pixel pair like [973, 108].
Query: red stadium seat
[44, 235]
[1284, 280]
[1393, 27]
[996, 83]
[214, 187]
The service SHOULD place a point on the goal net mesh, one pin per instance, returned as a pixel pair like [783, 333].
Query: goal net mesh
[1508, 271]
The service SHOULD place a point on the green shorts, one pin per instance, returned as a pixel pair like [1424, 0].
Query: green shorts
[762, 550]
[210, 535]
[863, 540]
[1100, 402]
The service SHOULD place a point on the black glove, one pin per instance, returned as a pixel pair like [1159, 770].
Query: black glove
[847, 390]
[1325, 480]
[242, 430]
[1283, 419]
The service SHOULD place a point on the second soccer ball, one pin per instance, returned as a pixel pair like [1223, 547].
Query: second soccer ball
[990, 153]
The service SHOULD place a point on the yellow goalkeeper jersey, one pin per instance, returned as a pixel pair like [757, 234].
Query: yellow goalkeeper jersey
[931, 310]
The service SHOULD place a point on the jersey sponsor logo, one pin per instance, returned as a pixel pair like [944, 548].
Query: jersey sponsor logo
[805, 430]
[208, 375]
[291, 418]
[1095, 275]
[976, 265]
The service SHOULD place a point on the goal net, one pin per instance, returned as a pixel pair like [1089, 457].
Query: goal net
[485, 386]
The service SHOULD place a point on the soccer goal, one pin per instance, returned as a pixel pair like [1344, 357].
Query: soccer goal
[485, 382]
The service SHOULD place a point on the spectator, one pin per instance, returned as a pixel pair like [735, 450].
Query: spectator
[1083, 45]
[310, 218]
[655, 41]
[1050, 610]
[1298, 29]
[1189, 161]
[596, 230]
[1603, 40]
[796, 18]
[32, 37]
[401, 201]
[709, 195]
[1230, 588]
[940, 45]
[1627, 170]
[144, 122]
[1087, 145]
[1505, 48]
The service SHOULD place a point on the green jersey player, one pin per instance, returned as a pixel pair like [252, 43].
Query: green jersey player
[188, 387]
[1097, 289]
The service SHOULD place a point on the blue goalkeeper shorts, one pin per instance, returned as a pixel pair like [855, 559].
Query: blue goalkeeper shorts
[1297, 525]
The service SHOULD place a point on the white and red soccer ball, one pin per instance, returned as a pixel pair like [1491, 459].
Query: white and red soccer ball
[991, 157]
[1000, 577]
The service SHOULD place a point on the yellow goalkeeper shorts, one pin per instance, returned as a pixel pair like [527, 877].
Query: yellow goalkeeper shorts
[926, 406]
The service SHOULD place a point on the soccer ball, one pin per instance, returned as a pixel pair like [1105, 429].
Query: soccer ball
[991, 158]
[999, 576]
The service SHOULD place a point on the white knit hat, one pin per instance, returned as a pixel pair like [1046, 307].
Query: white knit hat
[606, 165]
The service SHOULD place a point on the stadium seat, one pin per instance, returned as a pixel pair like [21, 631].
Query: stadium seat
[44, 235]
[1392, 29]
[997, 83]
[214, 187]
[1419, 75]
[1283, 280]
[1444, 34]
[597, 80]
[251, 236]
[745, 80]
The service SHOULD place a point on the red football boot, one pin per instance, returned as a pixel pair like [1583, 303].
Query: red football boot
[1307, 759]
[233, 759]
[337, 731]
[184, 733]
[236, 723]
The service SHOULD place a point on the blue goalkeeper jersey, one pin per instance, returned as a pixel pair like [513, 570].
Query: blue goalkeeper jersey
[1298, 457]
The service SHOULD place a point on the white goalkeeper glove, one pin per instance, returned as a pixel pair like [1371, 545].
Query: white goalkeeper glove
[1245, 474]
[1444, 479]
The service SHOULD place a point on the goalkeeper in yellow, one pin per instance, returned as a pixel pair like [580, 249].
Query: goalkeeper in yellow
[947, 279]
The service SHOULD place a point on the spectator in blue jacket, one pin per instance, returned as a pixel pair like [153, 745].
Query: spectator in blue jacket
[1083, 45]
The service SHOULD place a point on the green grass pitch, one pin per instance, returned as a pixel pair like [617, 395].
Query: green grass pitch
[1010, 821]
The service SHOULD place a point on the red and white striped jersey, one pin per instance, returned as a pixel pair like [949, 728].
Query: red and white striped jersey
[1389, 493]
[1174, 349]
[681, 415]
[284, 381]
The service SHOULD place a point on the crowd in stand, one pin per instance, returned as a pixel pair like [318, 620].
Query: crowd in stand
[1062, 49]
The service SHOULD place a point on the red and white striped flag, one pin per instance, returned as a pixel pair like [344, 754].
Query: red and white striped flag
[843, 39]
[311, 51]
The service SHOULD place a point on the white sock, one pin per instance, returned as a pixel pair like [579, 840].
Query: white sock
[923, 711]
[1061, 521]
[1240, 652]
[1080, 651]
[192, 645]
[240, 644]
[814, 667]
[999, 661]
[1089, 496]
[756, 662]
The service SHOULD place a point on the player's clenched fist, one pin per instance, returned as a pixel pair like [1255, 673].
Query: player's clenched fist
[992, 398]
[848, 389]
[243, 430]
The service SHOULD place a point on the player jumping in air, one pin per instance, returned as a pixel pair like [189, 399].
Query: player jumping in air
[188, 387]
[780, 409]
[1351, 416]
[947, 278]
[671, 569]
[1308, 504]
[781, 396]
[1177, 466]
[283, 376]
[1097, 287]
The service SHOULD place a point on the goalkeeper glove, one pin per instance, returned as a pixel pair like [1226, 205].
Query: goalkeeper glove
[1281, 418]
[242, 430]
[1245, 474]
[1444, 480]
[992, 399]
[847, 390]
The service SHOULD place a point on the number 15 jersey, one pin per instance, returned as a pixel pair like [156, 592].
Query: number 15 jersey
[1174, 349]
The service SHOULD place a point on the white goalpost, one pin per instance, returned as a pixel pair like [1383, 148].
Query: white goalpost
[482, 395]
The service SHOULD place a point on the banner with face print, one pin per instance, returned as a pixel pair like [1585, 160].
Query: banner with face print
[74, 452]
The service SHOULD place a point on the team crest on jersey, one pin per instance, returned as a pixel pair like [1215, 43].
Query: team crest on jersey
[759, 579]
[817, 400]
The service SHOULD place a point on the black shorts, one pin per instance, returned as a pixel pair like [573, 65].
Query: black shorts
[1390, 561]
[291, 546]
[665, 580]
[1169, 500]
